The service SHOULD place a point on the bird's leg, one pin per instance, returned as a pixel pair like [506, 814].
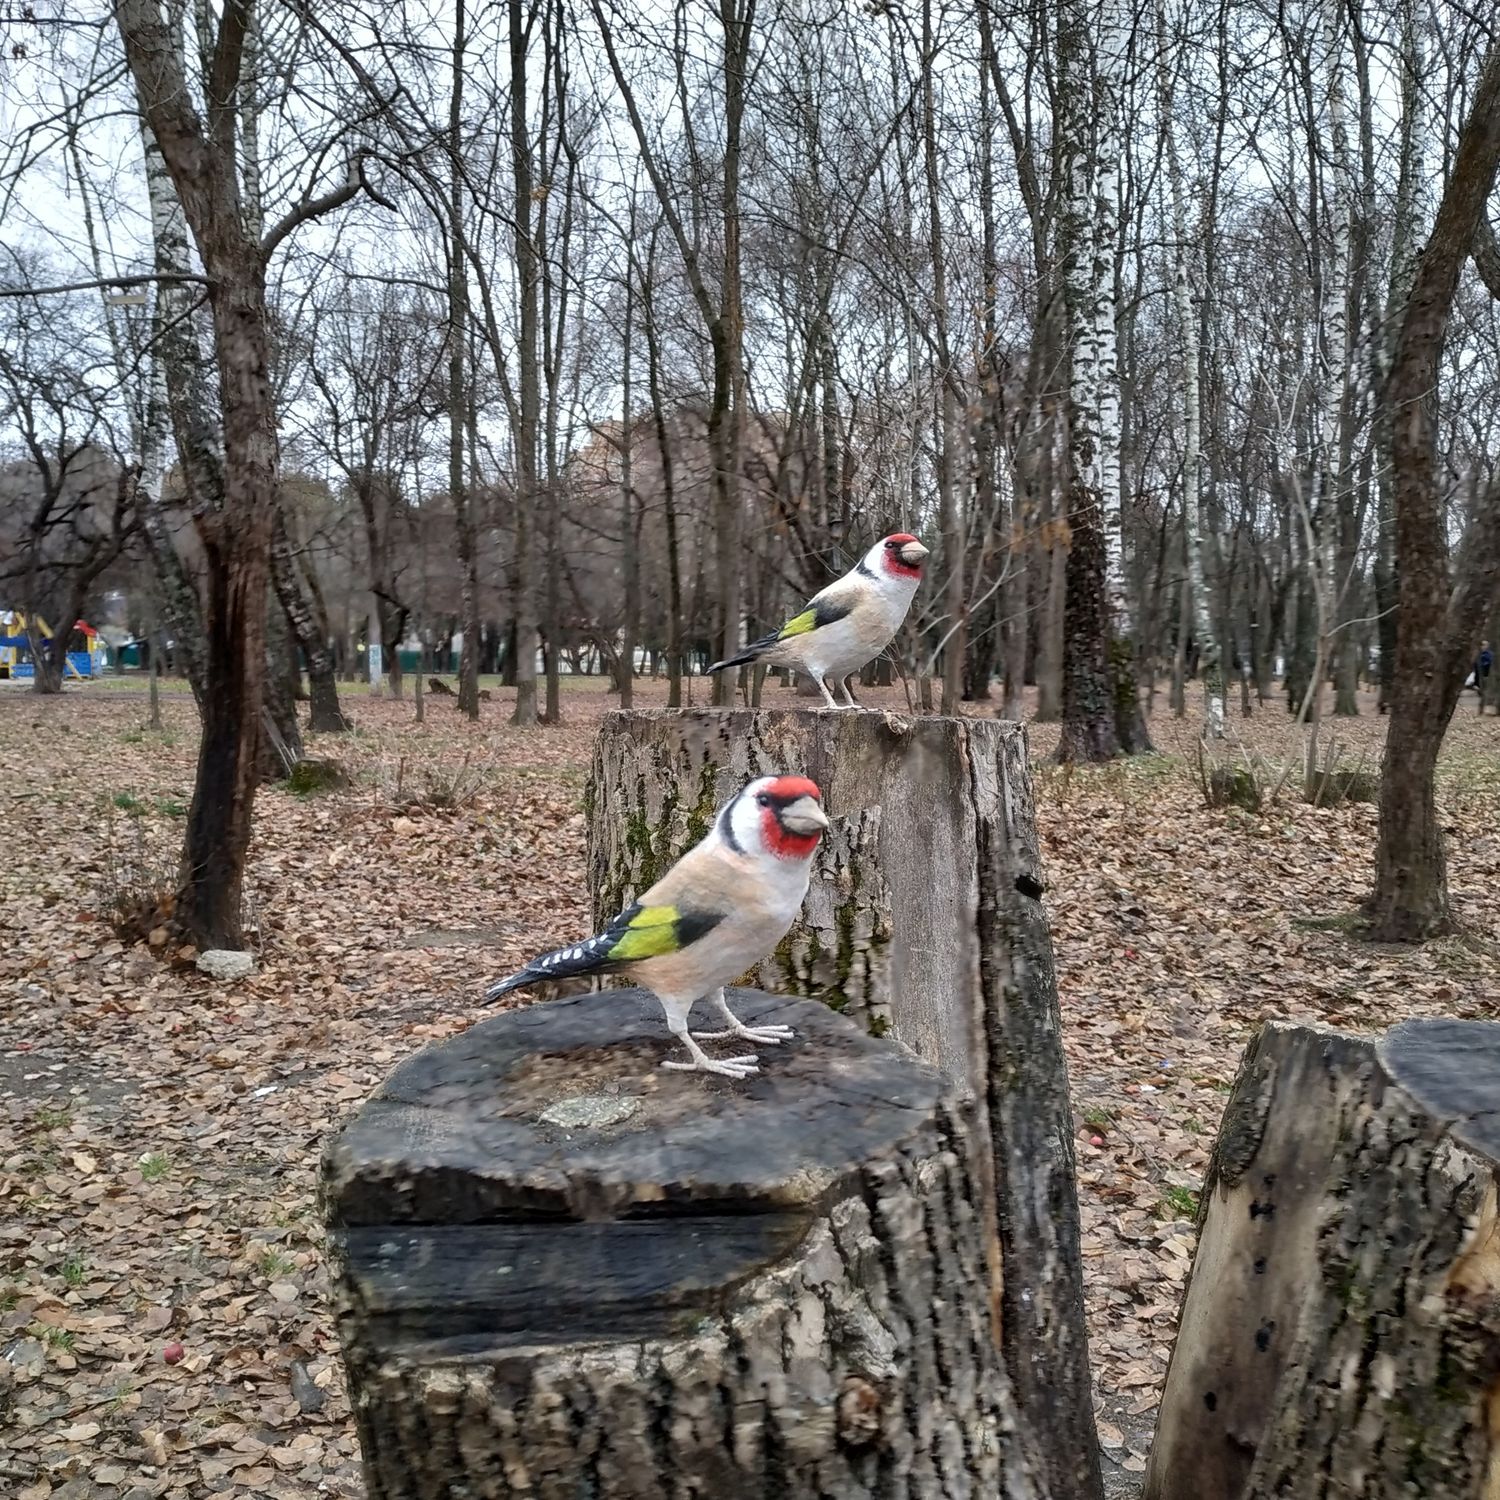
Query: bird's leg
[828, 697]
[730, 1067]
[848, 696]
[762, 1036]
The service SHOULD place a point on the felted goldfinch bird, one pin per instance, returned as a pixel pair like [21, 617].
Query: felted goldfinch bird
[849, 623]
[721, 908]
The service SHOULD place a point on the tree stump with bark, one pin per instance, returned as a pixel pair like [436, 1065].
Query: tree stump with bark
[561, 1270]
[1341, 1330]
[924, 922]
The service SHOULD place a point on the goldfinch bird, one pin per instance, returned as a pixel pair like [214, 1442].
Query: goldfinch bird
[720, 909]
[849, 623]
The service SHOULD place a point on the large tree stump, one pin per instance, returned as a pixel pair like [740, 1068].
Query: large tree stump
[1341, 1332]
[924, 921]
[562, 1271]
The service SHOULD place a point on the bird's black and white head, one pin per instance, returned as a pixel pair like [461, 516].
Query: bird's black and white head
[778, 816]
[896, 557]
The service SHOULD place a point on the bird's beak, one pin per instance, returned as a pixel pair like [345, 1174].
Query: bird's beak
[803, 816]
[913, 553]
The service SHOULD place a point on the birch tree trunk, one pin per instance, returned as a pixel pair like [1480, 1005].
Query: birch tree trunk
[174, 349]
[1330, 187]
[1088, 731]
[1130, 723]
[739, 1291]
[1341, 1333]
[980, 1001]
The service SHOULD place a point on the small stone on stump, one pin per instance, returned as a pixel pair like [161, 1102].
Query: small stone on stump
[562, 1270]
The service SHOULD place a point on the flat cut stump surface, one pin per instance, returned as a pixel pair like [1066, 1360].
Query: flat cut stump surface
[551, 1141]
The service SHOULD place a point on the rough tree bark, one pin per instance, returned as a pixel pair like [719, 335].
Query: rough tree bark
[235, 457]
[325, 716]
[934, 833]
[235, 535]
[1442, 608]
[1341, 1330]
[738, 1291]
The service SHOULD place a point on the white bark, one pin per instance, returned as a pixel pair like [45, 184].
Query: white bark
[1109, 83]
[1080, 270]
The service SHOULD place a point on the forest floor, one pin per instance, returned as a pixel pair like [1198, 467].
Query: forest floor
[160, 1132]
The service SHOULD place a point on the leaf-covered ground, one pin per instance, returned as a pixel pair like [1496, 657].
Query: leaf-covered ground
[163, 1324]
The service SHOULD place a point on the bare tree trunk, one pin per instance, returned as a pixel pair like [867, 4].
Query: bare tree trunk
[1113, 42]
[175, 402]
[727, 409]
[1088, 702]
[953, 621]
[630, 558]
[326, 716]
[1442, 609]
[1197, 623]
[668, 483]
[153, 645]
[234, 525]
[1403, 264]
[529, 416]
[458, 393]
[282, 749]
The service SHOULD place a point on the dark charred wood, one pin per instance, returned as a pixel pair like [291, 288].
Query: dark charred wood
[561, 1270]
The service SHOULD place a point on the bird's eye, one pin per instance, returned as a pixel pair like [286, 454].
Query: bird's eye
[890, 546]
[764, 799]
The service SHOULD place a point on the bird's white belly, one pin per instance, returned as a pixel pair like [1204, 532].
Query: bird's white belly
[846, 645]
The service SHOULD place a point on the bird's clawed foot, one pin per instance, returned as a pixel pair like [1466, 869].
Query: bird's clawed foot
[729, 1067]
[762, 1036]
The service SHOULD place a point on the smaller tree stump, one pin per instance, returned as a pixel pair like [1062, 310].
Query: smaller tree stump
[562, 1271]
[1341, 1331]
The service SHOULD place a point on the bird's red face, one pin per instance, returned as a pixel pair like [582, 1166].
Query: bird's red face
[792, 819]
[901, 555]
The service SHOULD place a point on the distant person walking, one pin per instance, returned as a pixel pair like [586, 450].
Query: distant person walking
[1482, 665]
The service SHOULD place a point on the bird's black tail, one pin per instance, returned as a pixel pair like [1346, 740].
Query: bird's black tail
[752, 653]
[588, 957]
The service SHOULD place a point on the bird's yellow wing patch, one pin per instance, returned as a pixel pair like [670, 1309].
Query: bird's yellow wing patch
[652, 931]
[799, 625]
